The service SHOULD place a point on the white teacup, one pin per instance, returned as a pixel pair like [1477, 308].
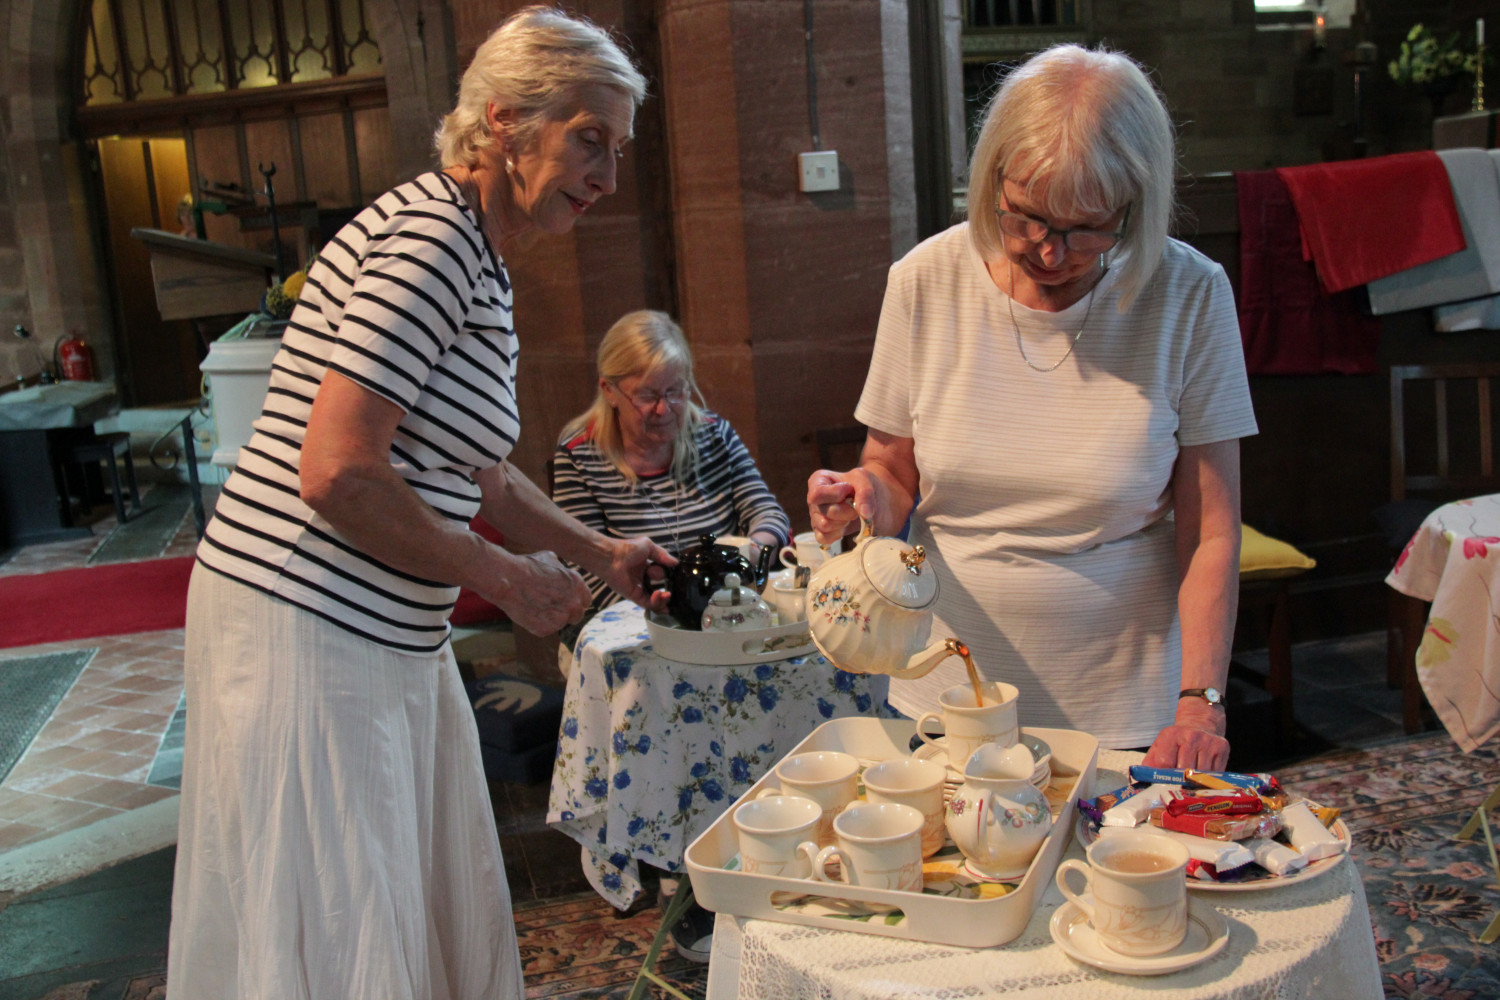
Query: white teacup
[776, 835]
[1137, 892]
[828, 777]
[879, 846]
[967, 727]
[789, 603]
[915, 783]
[805, 551]
[739, 542]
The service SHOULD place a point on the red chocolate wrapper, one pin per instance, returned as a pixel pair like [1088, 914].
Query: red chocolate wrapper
[1216, 805]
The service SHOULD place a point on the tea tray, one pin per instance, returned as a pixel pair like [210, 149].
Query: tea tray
[969, 922]
[758, 645]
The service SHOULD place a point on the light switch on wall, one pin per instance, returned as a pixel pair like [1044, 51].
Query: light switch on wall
[818, 171]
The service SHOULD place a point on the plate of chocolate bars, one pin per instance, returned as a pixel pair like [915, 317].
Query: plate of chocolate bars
[1243, 832]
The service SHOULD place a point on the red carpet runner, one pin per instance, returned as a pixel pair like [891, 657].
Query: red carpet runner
[123, 598]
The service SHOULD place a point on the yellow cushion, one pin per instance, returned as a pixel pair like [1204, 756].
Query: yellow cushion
[1265, 558]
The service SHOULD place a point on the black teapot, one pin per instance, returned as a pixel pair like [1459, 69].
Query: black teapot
[699, 572]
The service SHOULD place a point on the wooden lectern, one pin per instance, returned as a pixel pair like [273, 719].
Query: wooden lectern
[197, 278]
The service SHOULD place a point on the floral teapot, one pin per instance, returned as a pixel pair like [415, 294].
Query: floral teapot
[870, 609]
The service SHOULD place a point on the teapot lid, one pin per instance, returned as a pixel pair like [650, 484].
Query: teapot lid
[898, 572]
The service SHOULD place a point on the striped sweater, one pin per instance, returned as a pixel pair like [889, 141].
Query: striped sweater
[408, 301]
[728, 498]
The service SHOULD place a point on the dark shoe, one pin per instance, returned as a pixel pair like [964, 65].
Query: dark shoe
[693, 933]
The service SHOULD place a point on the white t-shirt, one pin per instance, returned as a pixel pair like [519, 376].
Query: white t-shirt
[1045, 495]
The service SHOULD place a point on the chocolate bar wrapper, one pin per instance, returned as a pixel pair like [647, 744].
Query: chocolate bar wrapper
[1218, 827]
[1202, 779]
[1215, 805]
[1137, 809]
[1310, 837]
[1275, 857]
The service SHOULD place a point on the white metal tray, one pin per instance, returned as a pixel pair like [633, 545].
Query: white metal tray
[726, 648]
[969, 922]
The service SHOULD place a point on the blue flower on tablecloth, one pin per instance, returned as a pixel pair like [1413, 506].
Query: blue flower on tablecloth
[691, 714]
[622, 781]
[611, 881]
[634, 826]
[602, 832]
[623, 665]
[715, 748]
[684, 798]
[699, 769]
[566, 815]
[735, 688]
[712, 790]
[825, 708]
[766, 748]
[596, 788]
[643, 744]
[619, 859]
[570, 727]
[618, 742]
[862, 701]
[739, 769]
[843, 680]
[767, 695]
[681, 688]
[763, 672]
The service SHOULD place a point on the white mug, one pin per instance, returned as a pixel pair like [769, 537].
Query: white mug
[805, 551]
[828, 777]
[968, 727]
[916, 783]
[776, 835]
[1137, 891]
[741, 543]
[879, 846]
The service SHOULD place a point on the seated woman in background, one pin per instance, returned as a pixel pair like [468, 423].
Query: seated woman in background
[646, 459]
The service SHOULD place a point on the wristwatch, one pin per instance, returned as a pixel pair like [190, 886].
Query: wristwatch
[1212, 695]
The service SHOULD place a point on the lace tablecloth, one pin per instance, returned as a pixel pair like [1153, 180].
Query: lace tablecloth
[1305, 941]
[1454, 561]
[652, 751]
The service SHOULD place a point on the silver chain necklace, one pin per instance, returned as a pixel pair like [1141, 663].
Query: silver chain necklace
[1010, 303]
[647, 489]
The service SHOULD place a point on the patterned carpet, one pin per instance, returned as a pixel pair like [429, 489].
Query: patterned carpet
[580, 948]
[1430, 896]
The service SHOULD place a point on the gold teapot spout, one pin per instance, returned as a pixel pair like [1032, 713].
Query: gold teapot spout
[923, 663]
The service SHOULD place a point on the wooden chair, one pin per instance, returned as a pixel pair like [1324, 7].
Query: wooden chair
[1267, 567]
[1442, 449]
[111, 449]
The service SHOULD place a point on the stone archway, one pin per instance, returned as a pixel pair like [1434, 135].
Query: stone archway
[51, 278]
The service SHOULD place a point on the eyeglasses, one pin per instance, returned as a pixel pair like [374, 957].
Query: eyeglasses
[647, 400]
[1024, 227]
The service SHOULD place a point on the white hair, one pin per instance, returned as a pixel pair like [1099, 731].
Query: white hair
[534, 65]
[1087, 128]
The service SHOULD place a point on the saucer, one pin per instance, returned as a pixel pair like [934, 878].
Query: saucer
[1207, 934]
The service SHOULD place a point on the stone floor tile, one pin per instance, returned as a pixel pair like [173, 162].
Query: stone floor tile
[16, 834]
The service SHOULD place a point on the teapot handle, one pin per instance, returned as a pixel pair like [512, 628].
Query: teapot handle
[866, 531]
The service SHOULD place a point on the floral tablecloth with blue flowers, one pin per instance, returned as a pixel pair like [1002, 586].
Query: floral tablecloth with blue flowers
[652, 751]
[1454, 561]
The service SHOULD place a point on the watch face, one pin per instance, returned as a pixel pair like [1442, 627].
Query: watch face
[1212, 696]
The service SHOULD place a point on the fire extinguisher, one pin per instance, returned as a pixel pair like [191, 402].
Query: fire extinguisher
[75, 359]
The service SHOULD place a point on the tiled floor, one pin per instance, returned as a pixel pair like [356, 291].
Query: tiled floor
[92, 758]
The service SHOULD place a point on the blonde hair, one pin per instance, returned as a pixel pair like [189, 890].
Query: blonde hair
[643, 343]
[1088, 126]
[535, 64]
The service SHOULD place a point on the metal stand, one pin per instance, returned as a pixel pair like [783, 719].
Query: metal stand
[675, 910]
[1478, 104]
[1481, 818]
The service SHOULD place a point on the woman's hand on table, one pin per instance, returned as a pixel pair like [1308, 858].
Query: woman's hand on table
[1194, 740]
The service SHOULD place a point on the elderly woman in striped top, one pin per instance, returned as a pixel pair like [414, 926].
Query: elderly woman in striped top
[1056, 396]
[647, 459]
[337, 838]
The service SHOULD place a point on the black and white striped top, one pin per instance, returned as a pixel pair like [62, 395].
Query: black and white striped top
[409, 301]
[728, 498]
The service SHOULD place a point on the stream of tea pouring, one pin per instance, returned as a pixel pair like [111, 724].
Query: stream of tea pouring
[963, 651]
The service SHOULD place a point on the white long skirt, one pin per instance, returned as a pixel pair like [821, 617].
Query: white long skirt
[336, 839]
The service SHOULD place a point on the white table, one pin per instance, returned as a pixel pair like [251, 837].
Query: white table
[1308, 940]
[652, 751]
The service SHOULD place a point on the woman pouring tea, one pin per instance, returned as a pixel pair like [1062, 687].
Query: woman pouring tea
[1056, 398]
